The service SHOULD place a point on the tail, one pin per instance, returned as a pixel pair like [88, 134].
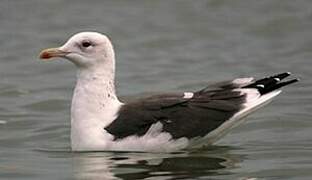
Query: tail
[271, 83]
[267, 88]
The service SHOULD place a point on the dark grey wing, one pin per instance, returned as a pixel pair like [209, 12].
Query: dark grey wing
[185, 116]
[136, 118]
[181, 117]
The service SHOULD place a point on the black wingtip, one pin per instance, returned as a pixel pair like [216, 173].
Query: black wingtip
[272, 83]
[285, 83]
[281, 76]
[281, 84]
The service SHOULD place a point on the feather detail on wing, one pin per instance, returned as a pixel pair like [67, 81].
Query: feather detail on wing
[180, 116]
[197, 114]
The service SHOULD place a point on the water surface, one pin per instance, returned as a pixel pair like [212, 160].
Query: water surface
[160, 46]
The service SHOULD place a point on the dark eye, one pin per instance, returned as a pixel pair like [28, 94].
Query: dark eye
[86, 44]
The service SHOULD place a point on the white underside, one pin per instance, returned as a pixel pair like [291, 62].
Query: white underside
[157, 141]
[153, 141]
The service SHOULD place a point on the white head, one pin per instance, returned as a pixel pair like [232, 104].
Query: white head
[94, 103]
[86, 50]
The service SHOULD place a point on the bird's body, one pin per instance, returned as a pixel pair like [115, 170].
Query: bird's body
[166, 122]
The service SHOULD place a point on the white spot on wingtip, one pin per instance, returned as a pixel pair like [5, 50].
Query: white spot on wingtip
[260, 85]
[277, 79]
[188, 95]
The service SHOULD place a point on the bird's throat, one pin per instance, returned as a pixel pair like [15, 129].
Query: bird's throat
[94, 106]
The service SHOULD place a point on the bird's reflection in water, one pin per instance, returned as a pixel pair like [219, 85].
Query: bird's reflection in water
[211, 162]
[176, 167]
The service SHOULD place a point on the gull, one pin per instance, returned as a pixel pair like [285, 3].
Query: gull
[160, 123]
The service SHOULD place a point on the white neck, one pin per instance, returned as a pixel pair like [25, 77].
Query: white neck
[94, 106]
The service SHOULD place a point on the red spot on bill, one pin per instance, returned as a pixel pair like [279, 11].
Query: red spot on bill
[45, 55]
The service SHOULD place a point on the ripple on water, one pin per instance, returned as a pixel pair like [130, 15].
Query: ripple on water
[160, 46]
